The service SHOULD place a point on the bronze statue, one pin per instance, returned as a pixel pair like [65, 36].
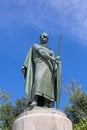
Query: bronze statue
[40, 71]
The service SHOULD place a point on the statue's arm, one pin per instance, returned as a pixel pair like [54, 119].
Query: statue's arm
[46, 55]
[24, 67]
[43, 53]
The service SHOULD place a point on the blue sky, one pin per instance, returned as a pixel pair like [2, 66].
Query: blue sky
[21, 23]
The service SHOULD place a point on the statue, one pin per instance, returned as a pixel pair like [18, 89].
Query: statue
[42, 72]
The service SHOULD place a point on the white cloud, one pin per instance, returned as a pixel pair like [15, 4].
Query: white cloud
[53, 15]
[74, 15]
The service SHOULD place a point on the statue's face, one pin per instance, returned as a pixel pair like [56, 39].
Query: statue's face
[44, 38]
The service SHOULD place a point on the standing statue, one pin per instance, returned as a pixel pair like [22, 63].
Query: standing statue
[42, 72]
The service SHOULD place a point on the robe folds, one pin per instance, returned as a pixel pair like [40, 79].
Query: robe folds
[39, 73]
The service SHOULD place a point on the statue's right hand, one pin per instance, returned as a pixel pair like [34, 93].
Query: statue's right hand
[23, 69]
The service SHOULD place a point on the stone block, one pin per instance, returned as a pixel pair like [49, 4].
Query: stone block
[42, 119]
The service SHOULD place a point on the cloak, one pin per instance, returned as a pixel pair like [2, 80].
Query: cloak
[38, 74]
[29, 73]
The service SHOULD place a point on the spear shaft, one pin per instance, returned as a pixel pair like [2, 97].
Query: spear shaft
[59, 44]
[59, 74]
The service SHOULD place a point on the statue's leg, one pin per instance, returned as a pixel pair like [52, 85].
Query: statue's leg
[40, 101]
[47, 103]
[34, 102]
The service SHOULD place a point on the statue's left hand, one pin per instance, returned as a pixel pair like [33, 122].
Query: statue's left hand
[57, 59]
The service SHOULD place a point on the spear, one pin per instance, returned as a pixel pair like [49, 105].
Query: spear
[59, 74]
[59, 44]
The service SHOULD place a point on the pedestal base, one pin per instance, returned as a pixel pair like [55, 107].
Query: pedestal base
[42, 119]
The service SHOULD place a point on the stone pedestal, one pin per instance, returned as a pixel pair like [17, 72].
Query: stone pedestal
[42, 119]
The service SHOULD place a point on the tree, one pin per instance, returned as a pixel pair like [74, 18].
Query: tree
[21, 104]
[4, 97]
[8, 111]
[82, 125]
[7, 115]
[77, 110]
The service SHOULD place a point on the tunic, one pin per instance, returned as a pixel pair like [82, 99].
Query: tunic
[39, 73]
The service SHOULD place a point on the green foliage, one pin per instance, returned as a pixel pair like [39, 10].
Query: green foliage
[82, 125]
[7, 115]
[77, 110]
[9, 112]
[4, 97]
[21, 104]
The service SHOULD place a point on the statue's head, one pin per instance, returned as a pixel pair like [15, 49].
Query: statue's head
[44, 38]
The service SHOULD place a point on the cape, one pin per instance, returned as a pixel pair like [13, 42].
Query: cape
[29, 74]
